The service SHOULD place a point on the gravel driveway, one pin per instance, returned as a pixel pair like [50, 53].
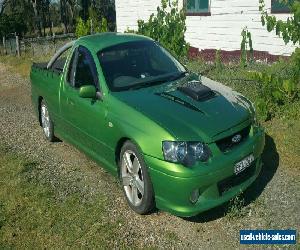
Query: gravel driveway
[271, 202]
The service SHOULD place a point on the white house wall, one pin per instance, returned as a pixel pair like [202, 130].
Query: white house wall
[221, 30]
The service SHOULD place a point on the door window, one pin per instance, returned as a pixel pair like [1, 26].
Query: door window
[82, 69]
[59, 63]
[72, 68]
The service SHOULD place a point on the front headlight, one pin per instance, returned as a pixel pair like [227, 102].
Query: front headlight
[187, 153]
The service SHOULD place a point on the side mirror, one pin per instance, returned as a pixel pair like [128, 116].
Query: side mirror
[87, 91]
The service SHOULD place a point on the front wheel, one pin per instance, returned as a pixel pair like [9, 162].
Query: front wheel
[46, 122]
[135, 180]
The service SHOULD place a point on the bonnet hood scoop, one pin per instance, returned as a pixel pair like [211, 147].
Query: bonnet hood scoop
[197, 91]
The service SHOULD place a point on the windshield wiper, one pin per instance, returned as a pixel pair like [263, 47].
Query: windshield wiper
[158, 81]
[178, 76]
[147, 84]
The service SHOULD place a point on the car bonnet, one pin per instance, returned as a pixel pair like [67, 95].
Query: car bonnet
[187, 117]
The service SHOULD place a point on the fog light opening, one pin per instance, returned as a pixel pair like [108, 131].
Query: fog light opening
[194, 196]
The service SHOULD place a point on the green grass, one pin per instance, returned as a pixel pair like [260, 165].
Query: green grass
[22, 65]
[32, 217]
[286, 135]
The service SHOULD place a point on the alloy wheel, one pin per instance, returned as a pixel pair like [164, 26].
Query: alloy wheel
[45, 119]
[132, 178]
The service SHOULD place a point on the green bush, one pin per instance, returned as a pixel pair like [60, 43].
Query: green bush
[278, 85]
[91, 26]
[82, 28]
[279, 89]
[104, 26]
[218, 61]
[245, 45]
[289, 30]
[167, 27]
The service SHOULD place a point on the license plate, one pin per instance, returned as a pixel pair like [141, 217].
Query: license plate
[243, 164]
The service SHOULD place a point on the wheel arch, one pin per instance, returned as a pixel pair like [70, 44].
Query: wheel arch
[119, 146]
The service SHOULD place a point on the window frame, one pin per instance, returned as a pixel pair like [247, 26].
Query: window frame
[199, 13]
[280, 11]
[73, 66]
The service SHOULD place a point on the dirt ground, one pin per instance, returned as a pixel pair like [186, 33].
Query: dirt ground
[272, 202]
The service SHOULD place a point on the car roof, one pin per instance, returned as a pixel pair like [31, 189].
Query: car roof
[101, 41]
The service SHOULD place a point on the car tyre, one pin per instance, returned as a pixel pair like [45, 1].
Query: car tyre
[46, 122]
[135, 179]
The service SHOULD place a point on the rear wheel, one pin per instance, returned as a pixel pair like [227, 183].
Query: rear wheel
[135, 180]
[46, 122]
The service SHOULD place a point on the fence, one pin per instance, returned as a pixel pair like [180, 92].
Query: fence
[13, 45]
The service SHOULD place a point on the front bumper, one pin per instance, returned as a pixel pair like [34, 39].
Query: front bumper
[215, 180]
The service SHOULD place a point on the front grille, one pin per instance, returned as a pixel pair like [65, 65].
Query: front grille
[235, 180]
[227, 144]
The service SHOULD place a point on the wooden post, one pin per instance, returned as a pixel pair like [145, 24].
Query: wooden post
[11, 47]
[54, 42]
[4, 45]
[52, 29]
[18, 46]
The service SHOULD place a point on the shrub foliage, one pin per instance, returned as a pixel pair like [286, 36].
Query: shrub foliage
[92, 25]
[167, 27]
[245, 45]
[275, 89]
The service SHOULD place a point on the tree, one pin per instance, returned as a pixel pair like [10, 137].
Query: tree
[35, 16]
[12, 24]
[3, 4]
[37, 19]
[16, 17]
[167, 27]
[91, 26]
[63, 15]
[28, 15]
[289, 30]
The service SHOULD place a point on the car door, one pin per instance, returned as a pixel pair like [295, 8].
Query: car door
[84, 117]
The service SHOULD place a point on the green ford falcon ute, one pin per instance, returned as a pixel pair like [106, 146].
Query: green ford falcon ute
[178, 141]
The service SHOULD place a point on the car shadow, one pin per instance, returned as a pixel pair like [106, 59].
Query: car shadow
[270, 158]
[56, 139]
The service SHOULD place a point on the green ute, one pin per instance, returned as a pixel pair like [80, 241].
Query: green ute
[177, 140]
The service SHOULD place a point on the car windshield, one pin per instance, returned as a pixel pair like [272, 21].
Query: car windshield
[138, 64]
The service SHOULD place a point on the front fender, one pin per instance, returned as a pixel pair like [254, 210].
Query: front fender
[129, 123]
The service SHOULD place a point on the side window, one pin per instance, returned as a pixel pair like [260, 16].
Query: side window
[85, 73]
[59, 63]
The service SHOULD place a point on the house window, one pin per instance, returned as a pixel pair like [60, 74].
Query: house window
[280, 6]
[197, 8]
